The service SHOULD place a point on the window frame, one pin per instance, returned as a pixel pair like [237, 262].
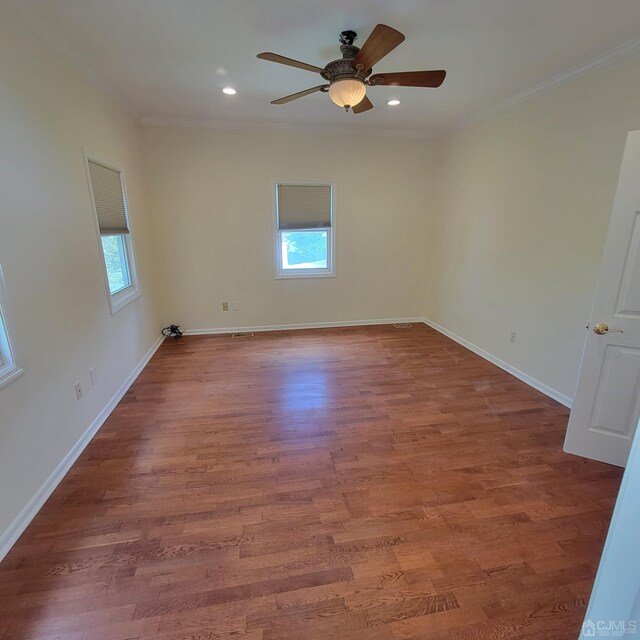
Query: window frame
[10, 370]
[121, 298]
[124, 261]
[288, 274]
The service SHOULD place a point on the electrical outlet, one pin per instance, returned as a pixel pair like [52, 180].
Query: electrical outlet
[93, 374]
[225, 306]
[78, 388]
[512, 337]
[235, 306]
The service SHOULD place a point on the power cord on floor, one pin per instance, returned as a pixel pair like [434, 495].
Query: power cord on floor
[173, 330]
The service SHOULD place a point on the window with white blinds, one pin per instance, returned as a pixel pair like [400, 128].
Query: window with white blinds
[302, 206]
[108, 197]
[304, 230]
[108, 193]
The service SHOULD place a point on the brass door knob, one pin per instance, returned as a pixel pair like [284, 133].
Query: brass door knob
[602, 327]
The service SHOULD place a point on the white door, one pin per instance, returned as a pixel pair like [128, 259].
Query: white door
[614, 607]
[607, 403]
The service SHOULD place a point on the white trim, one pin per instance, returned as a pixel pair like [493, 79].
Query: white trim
[9, 374]
[307, 273]
[305, 325]
[521, 375]
[296, 274]
[9, 537]
[599, 62]
[293, 273]
[122, 298]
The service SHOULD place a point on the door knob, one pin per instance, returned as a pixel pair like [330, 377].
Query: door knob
[602, 327]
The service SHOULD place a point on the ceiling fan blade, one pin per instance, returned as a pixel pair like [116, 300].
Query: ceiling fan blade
[300, 94]
[274, 57]
[409, 78]
[364, 105]
[383, 40]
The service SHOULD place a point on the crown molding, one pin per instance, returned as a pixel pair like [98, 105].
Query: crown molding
[41, 29]
[605, 59]
[282, 127]
[75, 59]
[599, 62]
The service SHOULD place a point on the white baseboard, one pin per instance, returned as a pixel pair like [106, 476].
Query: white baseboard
[9, 537]
[308, 325]
[521, 375]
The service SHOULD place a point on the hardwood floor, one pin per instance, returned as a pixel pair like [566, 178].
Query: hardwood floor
[365, 483]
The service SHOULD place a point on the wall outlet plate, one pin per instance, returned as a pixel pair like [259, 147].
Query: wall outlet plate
[512, 337]
[225, 306]
[235, 306]
[78, 388]
[93, 374]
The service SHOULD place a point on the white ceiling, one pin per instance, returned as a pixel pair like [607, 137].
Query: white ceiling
[169, 58]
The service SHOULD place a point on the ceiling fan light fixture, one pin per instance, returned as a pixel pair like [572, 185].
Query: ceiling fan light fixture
[348, 77]
[347, 92]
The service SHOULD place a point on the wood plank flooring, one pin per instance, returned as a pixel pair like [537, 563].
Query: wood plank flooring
[365, 483]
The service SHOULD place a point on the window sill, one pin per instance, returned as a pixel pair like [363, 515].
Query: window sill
[9, 374]
[119, 300]
[301, 275]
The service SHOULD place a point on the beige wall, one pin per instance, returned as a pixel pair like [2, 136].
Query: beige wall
[212, 197]
[49, 253]
[498, 227]
[524, 200]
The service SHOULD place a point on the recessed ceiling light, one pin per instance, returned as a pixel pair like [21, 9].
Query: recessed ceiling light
[393, 103]
[230, 91]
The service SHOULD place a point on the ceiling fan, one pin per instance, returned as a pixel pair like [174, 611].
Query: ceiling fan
[349, 76]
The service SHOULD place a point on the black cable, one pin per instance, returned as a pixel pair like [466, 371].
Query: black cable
[172, 330]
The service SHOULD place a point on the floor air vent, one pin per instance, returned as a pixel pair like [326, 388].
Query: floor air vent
[242, 334]
[402, 325]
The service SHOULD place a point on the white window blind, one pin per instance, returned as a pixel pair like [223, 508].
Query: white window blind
[108, 196]
[304, 206]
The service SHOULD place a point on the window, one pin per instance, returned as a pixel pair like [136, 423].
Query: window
[110, 209]
[304, 242]
[114, 250]
[9, 370]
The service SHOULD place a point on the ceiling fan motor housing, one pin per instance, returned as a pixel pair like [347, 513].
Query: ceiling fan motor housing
[343, 67]
[346, 82]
